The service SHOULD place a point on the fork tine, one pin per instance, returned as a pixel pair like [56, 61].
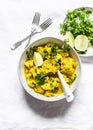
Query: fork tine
[36, 18]
[46, 24]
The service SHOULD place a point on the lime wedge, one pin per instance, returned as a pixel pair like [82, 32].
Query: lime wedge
[37, 58]
[70, 37]
[81, 43]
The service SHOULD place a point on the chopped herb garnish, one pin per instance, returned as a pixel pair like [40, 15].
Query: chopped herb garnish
[52, 85]
[65, 47]
[40, 78]
[54, 49]
[57, 60]
[45, 53]
[30, 52]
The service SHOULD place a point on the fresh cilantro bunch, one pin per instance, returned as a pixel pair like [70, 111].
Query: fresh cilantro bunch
[78, 22]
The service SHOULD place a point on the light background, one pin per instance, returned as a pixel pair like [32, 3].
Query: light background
[18, 110]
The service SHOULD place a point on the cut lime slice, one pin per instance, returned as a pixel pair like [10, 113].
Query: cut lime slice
[81, 43]
[37, 58]
[70, 37]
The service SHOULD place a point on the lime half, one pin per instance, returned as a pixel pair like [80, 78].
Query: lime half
[70, 38]
[37, 58]
[81, 43]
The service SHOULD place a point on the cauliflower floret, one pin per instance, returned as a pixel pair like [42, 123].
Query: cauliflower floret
[68, 66]
[38, 89]
[50, 66]
[31, 82]
[29, 64]
[35, 70]
[40, 49]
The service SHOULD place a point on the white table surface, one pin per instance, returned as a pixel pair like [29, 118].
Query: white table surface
[18, 110]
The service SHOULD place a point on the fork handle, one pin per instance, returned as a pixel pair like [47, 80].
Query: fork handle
[32, 33]
[17, 44]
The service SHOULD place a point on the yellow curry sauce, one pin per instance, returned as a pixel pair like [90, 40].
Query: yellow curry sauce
[43, 79]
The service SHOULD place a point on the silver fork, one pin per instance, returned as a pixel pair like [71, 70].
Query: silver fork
[35, 23]
[40, 29]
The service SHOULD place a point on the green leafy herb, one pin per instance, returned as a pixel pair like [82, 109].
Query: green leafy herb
[30, 52]
[81, 52]
[65, 47]
[45, 53]
[57, 60]
[54, 49]
[40, 78]
[52, 84]
[78, 22]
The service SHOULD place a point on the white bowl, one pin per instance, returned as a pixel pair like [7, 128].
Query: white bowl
[21, 70]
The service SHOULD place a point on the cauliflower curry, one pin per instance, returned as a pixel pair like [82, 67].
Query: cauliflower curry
[43, 79]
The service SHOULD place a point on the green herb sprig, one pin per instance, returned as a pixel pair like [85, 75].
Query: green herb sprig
[40, 78]
[30, 52]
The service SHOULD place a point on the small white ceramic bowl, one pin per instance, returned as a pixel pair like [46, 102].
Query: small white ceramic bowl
[21, 70]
